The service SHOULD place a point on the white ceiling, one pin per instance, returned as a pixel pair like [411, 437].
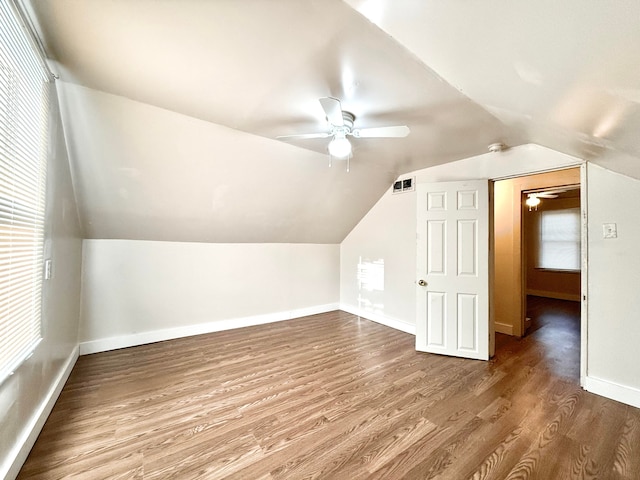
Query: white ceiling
[172, 107]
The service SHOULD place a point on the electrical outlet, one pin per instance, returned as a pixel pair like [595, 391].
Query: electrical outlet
[609, 230]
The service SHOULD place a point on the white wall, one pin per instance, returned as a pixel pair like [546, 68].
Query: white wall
[387, 233]
[27, 397]
[137, 292]
[613, 364]
[385, 237]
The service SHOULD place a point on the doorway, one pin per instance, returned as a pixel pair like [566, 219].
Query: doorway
[519, 266]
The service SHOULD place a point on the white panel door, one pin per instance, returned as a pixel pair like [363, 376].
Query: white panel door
[453, 269]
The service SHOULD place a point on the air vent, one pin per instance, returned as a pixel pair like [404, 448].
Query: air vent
[404, 185]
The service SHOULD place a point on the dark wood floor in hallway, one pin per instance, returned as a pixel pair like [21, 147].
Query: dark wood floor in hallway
[333, 396]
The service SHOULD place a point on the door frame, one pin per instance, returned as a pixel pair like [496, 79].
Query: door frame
[584, 264]
[584, 276]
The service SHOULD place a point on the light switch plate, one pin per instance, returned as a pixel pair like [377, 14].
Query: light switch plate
[609, 230]
[47, 269]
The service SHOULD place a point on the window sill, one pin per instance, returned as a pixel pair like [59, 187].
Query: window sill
[556, 270]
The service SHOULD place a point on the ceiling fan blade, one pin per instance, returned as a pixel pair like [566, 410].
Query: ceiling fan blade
[305, 136]
[333, 110]
[395, 131]
[552, 191]
[546, 195]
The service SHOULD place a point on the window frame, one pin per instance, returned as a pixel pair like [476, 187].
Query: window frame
[577, 241]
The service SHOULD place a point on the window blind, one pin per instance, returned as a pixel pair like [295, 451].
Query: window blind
[24, 108]
[560, 239]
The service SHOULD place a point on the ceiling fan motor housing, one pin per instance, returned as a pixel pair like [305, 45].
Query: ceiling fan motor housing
[347, 127]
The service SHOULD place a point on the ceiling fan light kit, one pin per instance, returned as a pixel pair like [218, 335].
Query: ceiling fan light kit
[341, 125]
[533, 198]
[339, 147]
[532, 201]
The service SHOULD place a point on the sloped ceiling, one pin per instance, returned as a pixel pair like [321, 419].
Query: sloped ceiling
[171, 108]
[562, 74]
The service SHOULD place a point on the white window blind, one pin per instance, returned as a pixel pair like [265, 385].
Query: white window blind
[560, 239]
[24, 110]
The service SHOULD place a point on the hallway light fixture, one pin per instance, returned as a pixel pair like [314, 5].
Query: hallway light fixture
[532, 201]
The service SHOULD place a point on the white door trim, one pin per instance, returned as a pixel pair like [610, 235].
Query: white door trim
[584, 279]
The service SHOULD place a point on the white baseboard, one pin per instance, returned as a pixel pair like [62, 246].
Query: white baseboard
[142, 338]
[503, 328]
[614, 391]
[574, 297]
[34, 427]
[384, 320]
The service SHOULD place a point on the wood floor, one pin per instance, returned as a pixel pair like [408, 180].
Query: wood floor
[334, 396]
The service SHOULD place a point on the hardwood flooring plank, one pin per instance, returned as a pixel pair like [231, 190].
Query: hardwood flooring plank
[501, 460]
[404, 464]
[285, 460]
[628, 447]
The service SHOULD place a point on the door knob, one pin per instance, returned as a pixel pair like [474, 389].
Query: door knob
[422, 283]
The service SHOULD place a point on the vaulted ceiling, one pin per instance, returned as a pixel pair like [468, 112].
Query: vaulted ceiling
[171, 107]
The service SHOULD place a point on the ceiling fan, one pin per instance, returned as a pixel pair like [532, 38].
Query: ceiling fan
[533, 198]
[341, 126]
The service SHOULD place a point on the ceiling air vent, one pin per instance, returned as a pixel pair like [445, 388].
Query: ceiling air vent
[404, 185]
